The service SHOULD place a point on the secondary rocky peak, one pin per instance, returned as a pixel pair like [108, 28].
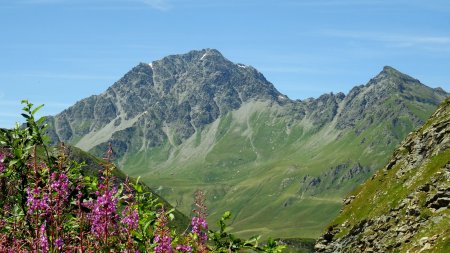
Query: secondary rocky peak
[390, 69]
[392, 87]
[391, 74]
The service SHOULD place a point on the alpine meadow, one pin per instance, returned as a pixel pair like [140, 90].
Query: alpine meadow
[198, 121]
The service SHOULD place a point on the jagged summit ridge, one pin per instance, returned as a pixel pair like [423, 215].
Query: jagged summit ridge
[196, 69]
[183, 92]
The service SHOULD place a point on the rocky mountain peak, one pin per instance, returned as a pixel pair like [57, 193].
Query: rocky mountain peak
[183, 92]
[390, 70]
[390, 74]
[390, 86]
[200, 70]
[194, 57]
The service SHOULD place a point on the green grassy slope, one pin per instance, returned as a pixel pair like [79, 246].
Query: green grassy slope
[411, 196]
[266, 168]
[281, 166]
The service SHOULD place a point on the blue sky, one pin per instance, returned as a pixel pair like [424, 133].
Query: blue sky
[57, 52]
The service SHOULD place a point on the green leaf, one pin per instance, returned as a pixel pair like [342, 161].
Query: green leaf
[36, 109]
[40, 121]
[147, 225]
[226, 215]
[12, 162]
[138, 188]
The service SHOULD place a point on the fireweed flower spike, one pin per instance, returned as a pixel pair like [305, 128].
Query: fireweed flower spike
[38, 202]
[60, 184]
[162, 237]
[184, 248]
[43, 240]
[103, 214]
[103, 217]
[130, 218]
[198, 222]
[2, 164]
[59, 243]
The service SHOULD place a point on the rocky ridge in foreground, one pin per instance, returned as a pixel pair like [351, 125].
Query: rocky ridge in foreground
[404, 207]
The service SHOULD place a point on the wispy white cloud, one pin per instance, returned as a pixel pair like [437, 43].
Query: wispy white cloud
[40, 1]
[394, 40]
[9, 103]
[341, 2]
[10, 110]
[10, 121]
[17, 105]
[62, 76]
[429, 5]
[161, 5]
[293, 70]
[8, 115]
[71, 76]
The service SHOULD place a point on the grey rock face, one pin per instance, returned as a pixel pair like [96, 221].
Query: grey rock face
[170, 99]
[367, 103]
[183, 92]
[323, 109]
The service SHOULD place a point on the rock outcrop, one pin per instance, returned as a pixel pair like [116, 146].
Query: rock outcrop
[179, 92]
[404, 207]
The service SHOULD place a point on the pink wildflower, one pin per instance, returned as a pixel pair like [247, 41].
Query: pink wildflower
[2, 164]
[103, 214]
[130, 218]
[60, 185]
[184, 248]
[198, 222]
[59, 243]
[43, 240]
[162, 237]
[37, 202]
